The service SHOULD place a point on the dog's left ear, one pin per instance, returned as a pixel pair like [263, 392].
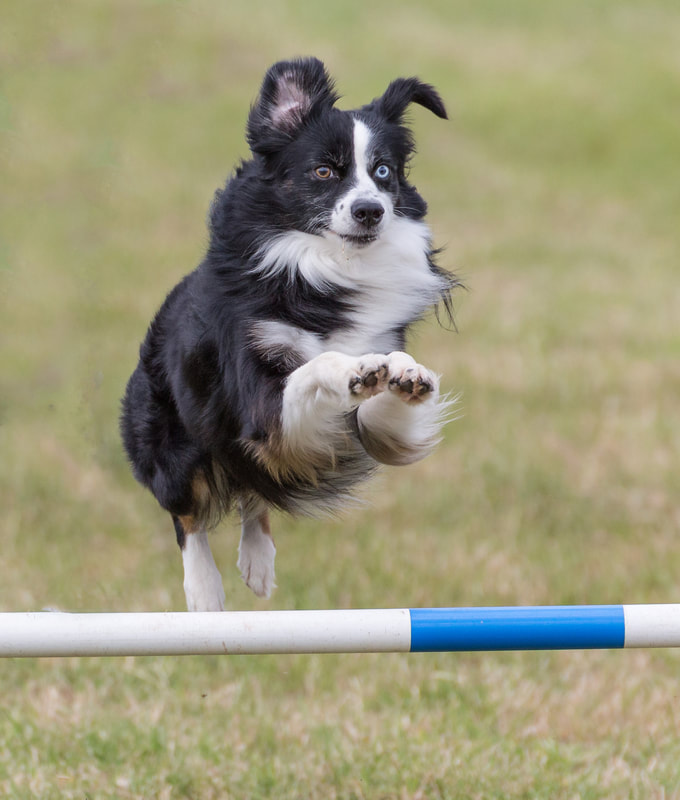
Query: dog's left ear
[292, 93]
[404, 91]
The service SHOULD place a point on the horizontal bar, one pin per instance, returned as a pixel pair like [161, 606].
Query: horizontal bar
[38, 634]
[50, 633]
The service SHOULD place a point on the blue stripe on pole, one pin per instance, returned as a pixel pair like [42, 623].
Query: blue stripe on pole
[524, 628]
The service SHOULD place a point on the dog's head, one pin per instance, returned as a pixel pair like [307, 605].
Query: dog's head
[338, 173]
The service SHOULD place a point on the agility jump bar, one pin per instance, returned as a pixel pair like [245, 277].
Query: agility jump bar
[403, 630]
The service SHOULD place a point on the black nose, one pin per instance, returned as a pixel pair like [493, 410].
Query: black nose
[367, 212]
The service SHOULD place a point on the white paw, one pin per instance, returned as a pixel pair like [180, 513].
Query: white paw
[205, 593]
[411, 382]
[256, 563]
[338, 374]
[202, 580]
[369, 376]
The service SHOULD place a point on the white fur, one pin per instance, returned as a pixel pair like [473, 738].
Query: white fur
[273, 335]
[319, 394]
[316, 398]
[202, 581]
[327, 260]
[391, 277]
[363, 187]
[411, 426]
[256, 553]
[417, 427]
[395, 284]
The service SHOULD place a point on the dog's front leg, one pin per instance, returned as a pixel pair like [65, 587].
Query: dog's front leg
[321, 392]
[404, 424]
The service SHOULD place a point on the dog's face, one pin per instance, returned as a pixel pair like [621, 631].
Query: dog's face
[337, 173]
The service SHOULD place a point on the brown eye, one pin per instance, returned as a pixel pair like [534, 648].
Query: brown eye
[324, 172]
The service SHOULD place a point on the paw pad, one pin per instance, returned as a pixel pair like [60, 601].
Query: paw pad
[413, 384]
[370, 378]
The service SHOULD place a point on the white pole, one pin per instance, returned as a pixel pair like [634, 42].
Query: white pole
[652, 625]
[181, 633]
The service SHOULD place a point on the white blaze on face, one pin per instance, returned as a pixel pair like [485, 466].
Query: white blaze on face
[363, 187]
[362, 140]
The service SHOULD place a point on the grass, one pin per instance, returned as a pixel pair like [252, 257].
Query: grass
[555, 191]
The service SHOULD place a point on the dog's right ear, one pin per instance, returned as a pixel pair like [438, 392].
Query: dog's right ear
[292, 93]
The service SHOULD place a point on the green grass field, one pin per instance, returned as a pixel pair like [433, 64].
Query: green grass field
[555, 190]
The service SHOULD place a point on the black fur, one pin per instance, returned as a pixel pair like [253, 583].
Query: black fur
[204, 401]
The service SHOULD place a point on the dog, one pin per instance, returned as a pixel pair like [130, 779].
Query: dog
[274, 376]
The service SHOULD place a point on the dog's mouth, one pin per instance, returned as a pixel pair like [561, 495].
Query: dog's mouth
[359, 240]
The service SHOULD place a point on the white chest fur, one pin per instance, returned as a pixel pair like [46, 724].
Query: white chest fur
[391, 279]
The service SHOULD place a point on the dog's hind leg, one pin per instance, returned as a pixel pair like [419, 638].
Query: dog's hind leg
[202, 580]
[256, 550]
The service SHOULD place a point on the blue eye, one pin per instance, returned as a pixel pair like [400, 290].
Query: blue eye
[382, 172]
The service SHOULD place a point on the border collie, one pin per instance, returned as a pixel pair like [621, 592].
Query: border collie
[273, 376]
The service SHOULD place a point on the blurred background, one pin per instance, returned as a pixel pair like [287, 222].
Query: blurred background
[554, 190]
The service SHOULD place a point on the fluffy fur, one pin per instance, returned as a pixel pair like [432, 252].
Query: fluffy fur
[274, 376]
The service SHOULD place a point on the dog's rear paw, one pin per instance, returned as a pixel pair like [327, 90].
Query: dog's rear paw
[412, 382]
[205, 598]
[256, 563]
[202, 581]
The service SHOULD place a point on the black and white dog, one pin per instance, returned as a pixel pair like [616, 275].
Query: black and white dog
[273, 375]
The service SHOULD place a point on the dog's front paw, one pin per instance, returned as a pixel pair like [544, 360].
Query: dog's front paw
[410, 381]
[369, 376]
